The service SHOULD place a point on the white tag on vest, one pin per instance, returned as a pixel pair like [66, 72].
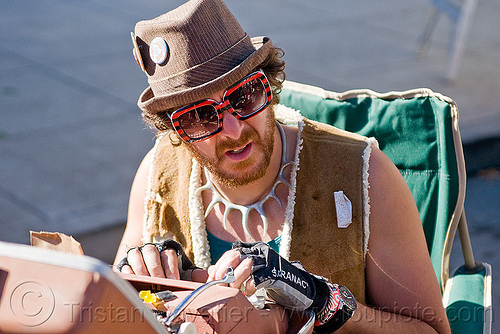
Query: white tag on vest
[343, 207]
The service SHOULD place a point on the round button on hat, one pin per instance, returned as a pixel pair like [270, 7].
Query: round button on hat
[158, 50]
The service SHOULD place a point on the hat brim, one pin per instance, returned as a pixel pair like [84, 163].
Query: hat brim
[154, 104]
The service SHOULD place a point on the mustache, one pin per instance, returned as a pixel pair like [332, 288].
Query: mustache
[230, 144]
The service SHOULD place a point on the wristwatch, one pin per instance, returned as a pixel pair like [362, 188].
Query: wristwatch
[347, 306]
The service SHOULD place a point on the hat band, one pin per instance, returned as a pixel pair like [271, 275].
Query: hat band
[245, 37]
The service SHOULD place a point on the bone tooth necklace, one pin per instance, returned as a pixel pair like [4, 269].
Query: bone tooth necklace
[257, 206]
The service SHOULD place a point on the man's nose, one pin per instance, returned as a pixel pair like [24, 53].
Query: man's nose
[231, 126]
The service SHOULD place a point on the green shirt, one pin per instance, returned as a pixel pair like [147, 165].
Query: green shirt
[219, 246]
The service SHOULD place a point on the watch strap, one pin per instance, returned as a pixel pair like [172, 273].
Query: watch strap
[336, 313]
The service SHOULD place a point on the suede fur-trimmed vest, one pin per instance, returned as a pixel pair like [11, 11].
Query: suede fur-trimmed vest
[330, 188]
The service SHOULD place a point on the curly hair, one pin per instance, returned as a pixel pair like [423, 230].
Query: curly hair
[273, 67]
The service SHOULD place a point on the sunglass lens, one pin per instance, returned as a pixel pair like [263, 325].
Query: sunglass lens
[248, 98]
[199, 122]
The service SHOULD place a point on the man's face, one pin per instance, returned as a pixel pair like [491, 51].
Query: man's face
[241, 152]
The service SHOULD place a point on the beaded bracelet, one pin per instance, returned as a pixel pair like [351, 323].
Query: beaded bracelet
[332, 306]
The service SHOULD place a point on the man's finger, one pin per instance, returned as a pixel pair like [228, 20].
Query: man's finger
[230, 258]
[152, 260]
[170, 264]
[241, 273]
[135, 260]
[126, 269]
[250, 288]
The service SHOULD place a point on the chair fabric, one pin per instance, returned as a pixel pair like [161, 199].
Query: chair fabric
[414, 129]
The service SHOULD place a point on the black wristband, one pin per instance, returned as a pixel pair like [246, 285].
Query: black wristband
[322, 294]
[287, 283]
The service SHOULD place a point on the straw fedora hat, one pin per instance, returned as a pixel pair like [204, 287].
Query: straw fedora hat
[192, 52]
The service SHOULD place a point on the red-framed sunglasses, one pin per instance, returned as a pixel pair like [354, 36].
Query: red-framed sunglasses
[203, 119]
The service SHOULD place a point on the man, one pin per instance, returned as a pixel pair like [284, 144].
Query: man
[224, 171]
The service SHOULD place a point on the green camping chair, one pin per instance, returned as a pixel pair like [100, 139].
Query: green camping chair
[418, 130]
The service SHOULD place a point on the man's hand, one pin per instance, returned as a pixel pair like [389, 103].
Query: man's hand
[166, 260]
[242, 270]
[287, 283]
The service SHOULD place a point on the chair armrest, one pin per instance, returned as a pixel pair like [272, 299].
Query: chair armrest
[467, 299]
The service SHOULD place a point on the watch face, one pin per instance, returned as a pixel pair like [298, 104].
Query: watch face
[347, 297]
